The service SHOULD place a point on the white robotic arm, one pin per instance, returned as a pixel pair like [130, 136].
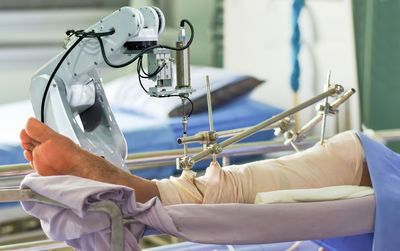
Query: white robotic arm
[67, 92]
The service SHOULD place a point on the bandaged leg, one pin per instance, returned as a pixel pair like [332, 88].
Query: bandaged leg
[338, 162]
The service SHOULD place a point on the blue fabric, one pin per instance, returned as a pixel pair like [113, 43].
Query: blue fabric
[384, 169]
[296, 45]
[191, 246]
[242, 112]
[11, 155]
[162, 135]
[362, 242]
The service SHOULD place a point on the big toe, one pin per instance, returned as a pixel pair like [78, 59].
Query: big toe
[38, 130]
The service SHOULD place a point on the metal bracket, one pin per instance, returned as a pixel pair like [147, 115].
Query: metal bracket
[117, 227]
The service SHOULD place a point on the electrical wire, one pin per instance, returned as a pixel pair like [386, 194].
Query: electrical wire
[183, 21]
[147, 75]
[46, 90]
[81, 34]
[191, 103]
[183, 96]
[139, 76]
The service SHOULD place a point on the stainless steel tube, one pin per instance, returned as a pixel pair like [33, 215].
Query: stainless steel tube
[331, 91]
[233, 132]
[182, 66]
[342, 99]
[337, 89]
[333, 107]
[138, 161]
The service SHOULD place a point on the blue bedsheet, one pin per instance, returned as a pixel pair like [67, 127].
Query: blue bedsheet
[144, 133]
[384, 169]
[191, 246]
[242, 112]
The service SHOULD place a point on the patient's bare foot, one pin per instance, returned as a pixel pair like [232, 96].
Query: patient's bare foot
[51, 153]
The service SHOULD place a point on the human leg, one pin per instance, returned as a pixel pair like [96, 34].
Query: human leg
[338, 162]
[53, 154]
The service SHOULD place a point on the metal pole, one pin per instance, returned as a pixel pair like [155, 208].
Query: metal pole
[209, 106]
[331, 91]
[337, 89]
[333, 107]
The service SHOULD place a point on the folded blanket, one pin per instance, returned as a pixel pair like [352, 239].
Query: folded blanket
[314, 194]
[90, 230]
[228, 223]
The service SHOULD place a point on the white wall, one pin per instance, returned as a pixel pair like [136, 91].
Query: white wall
[28, 39]
[257, 41]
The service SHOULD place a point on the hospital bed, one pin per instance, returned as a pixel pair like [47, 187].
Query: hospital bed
[147, 131]
[281, 223]
[191, 222]
[144, 120]
[318, 219]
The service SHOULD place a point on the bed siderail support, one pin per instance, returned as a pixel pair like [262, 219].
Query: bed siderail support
[117, 224]
[16, 194]
[107, 206]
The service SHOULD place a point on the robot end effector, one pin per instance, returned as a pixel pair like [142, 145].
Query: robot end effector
[67, 92]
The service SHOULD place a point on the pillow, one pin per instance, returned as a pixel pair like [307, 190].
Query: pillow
[125, 93]
[313, 194]
[220, 97]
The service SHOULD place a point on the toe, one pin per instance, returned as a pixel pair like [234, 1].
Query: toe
[27, 146]
[37, 130]
[24, 136]
[27, 142]
[28, 155]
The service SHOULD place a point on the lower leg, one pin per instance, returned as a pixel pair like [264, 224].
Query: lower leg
[338, 162]
[53, 154]
[365, 178]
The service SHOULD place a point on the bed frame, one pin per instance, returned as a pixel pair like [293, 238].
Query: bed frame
[271, 222]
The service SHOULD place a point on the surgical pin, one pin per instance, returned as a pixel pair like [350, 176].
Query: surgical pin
[326, 109]
[210, 119]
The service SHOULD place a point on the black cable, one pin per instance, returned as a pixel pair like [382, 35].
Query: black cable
[46, 90]
[140, 69]
[181, 96]
[149, 75]
[139, 76]
[139, 57]
[139, 66]
[81, 35]
[183, 21]
[191, 103]
[89, 34]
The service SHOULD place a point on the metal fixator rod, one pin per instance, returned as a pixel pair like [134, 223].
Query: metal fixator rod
[331, 91]
[326, 109]
[184, 125]
[209, 106]
[209, 103]
[332, 108]
[202, 137]
[294, 146]
[334, 90]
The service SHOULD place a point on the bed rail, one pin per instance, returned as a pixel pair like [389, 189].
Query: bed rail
[13, 173]
[147, 160]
